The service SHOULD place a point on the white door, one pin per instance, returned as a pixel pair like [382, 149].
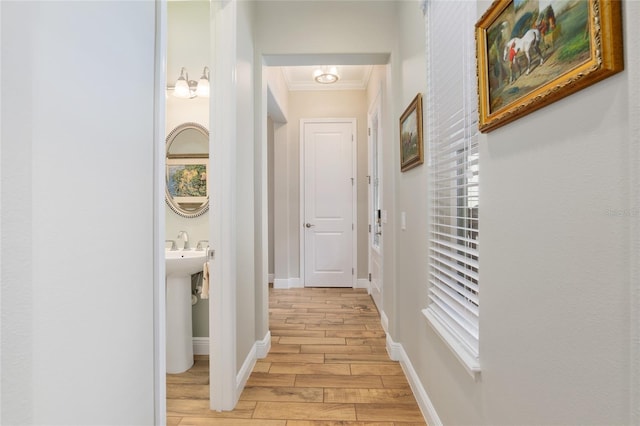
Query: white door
[375, 205]
[328, 194]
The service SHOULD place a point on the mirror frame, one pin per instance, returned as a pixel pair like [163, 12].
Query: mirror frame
[175, 207]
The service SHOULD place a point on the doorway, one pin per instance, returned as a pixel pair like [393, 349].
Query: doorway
[328, 192]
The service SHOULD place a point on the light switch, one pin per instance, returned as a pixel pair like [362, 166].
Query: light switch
[403, 221]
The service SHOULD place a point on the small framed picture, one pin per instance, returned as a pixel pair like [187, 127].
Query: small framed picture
[187, 180]
[411, 144]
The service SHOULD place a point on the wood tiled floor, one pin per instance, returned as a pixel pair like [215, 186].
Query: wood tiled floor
[327, 366]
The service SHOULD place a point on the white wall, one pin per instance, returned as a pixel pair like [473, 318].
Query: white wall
[410, 188]
[78, 202]
[556, 265]
[280, 91]
[294, 27]
[556, 316]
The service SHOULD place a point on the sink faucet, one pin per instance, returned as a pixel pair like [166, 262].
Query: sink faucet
[185, 236]
[173, 245]
[199, 245]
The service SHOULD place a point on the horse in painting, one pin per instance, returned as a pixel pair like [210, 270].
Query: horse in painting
[513, 47]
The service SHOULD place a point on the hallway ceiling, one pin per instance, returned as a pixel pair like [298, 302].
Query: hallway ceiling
[352, 77]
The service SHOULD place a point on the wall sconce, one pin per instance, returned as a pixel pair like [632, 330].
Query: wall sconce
[203, 84]
[326, 75]
[189, 89]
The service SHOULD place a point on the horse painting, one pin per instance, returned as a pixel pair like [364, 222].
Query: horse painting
[513, 47]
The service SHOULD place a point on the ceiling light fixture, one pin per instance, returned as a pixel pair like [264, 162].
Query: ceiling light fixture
[326, 75]
[189, 89]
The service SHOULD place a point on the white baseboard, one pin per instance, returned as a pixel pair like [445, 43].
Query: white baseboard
[295, 283]
[245, 371]
[280, 283]
[259, 350]
[397, 353]
[394, 349]
[363, 283]
[263, 346]
[384, 320]
[285, 283]
[201, 346]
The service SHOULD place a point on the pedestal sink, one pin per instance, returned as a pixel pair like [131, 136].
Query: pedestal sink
[180, 264]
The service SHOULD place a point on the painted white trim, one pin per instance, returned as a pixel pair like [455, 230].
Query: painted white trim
[159, 280]
[261, 207]
[281, 283]
[342, 84]
[363, 283]
[354, 195]
[259, 349]
[200, 346]
[375, 110]
[469, 361]
[397, 353]
[286, 283]
[263, 346]
[354, 208]
[384, 320]
[222, 217]
[393, 349]
[245, 371]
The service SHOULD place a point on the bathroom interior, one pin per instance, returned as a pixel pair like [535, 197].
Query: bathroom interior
[186, 207]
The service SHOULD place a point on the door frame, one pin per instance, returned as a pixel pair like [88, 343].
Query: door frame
[223, 392]
[354, 194]
[375, 109]
[159, 270]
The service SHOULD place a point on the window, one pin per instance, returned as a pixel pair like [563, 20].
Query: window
[453, 304]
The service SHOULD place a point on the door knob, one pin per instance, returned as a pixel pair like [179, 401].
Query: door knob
[308, 225]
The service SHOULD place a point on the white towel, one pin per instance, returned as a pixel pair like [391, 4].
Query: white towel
[204, 294]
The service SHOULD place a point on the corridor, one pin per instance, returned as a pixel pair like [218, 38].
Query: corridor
[327, 366]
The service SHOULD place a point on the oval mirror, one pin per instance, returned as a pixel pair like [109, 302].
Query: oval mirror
[187, 156]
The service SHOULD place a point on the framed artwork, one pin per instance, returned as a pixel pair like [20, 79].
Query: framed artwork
[411, 144]
[187, 180]
[531, 53]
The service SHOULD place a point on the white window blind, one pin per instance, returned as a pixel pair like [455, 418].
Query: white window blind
[453, 306]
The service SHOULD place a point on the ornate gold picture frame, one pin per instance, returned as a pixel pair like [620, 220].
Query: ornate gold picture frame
[531, 53]
[411, 142]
